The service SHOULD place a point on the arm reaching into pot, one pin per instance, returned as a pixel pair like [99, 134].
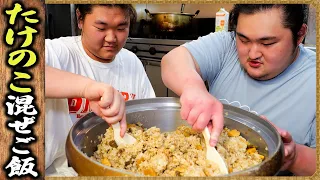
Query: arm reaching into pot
[198, 106]
[104, 100]
[298, 159]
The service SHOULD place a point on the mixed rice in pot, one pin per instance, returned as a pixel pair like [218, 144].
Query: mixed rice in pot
[178, 153]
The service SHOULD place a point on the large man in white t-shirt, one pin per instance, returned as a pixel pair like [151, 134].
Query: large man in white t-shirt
[98, 54]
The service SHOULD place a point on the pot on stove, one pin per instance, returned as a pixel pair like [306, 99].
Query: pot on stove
[171, 22]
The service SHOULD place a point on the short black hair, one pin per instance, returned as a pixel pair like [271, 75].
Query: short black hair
[294, 15]
[128, 9]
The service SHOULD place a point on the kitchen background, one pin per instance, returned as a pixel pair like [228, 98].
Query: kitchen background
[150, 44]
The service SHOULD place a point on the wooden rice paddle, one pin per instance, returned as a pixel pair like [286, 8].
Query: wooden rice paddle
[127, 138]
[212, 153]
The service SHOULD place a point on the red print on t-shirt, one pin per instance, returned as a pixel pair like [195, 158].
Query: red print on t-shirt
[80, 106]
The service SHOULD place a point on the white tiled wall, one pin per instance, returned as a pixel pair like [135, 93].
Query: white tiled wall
[311, 35]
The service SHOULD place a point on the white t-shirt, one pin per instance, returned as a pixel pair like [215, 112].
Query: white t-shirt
[125, 73]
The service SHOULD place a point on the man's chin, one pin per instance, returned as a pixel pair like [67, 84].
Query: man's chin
[257, 76]
[105, 59]
[110, 57]
[260, 77]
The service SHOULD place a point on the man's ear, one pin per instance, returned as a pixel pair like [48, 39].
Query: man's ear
[302, 33]
[79, 19]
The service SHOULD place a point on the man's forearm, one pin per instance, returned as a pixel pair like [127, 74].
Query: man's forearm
[305, 163]
[178, 69]
[62, 84]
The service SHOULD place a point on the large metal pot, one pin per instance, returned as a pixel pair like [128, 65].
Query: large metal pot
[171, 22]
[164, 113]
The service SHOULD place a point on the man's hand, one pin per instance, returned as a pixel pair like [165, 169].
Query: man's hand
[289, 146]
[106, 102]
[289, 149]
[198, 107]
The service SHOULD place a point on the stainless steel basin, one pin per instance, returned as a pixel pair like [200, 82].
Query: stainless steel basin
[164, 113]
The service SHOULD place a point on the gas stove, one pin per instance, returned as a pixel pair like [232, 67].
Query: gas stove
[152, 49]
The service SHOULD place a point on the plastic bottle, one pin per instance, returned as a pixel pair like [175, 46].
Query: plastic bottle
[222, 19]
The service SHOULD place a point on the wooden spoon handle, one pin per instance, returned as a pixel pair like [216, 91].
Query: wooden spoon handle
[212, 153]
[127, 139]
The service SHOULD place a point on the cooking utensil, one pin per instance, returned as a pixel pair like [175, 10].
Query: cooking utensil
[212, 154]
[127, 138]
[164, 113]
[182, 8]
[170, 22]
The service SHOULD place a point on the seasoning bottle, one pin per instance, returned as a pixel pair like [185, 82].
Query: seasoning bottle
[222, 18]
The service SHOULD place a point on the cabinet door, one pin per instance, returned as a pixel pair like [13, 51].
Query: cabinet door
[153, 70]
